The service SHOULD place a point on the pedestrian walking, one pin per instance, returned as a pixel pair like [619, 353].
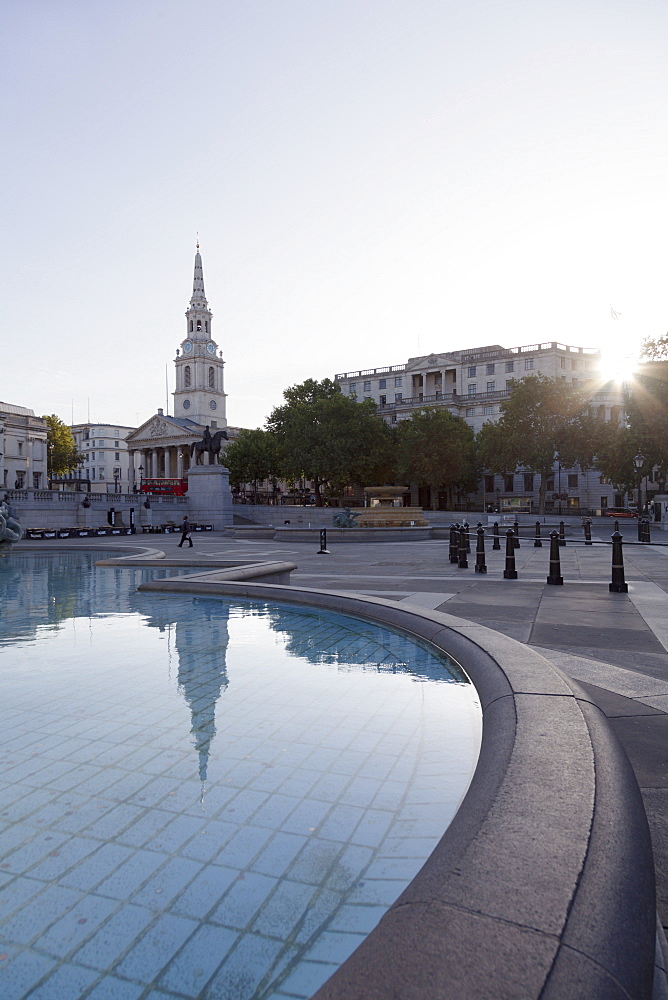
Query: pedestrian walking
[185, 533]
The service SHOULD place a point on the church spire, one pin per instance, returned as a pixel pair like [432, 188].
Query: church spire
[198, 300]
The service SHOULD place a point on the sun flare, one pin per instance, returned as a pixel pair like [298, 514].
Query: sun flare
[617, 364]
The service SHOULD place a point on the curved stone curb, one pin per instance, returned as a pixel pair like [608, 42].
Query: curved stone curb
[543, 884]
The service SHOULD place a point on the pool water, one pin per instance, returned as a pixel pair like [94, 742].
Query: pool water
[203, 798]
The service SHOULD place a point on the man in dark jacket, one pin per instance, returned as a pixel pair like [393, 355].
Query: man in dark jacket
[185, 533]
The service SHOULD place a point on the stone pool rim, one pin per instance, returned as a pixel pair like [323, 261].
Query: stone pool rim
[543, 884]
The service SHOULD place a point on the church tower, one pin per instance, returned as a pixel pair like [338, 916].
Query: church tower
[199, 393]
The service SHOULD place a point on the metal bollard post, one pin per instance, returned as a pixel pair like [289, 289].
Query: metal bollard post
[516, 534]
[562, 533]
[497, 540]
[510, 573]
[618, 585]
[555, 577]
[323, 550]
[640, 530]
[616, 525]
[537, 542]
[468, 537]
[587, 531]
[463, 536]
[480, 564]
[453, 554]
[647, 529]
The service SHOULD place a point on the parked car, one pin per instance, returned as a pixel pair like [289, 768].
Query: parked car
[618, 512]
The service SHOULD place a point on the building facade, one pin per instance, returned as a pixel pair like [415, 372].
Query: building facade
[472, 384]
[23, 448]
[106, 464]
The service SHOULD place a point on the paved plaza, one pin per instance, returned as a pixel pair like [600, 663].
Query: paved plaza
[614, 645]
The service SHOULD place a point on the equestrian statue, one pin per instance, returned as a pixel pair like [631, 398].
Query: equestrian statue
[210, 443]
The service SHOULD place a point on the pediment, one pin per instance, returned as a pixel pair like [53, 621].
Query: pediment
[160, 428]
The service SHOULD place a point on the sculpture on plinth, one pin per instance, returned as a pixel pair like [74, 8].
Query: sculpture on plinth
[210, 443]
[10, 529]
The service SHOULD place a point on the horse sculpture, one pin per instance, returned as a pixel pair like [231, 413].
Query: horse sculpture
[210, 443]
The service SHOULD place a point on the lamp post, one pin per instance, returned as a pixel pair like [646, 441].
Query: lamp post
[639, 461]
[117, 485]
[141, 476]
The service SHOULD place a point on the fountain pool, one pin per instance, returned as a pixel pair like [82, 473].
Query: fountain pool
[203, 797]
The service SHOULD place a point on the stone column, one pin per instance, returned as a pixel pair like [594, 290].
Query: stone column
[168, 463]
[131, 470]
[154, 464]
[179, 461]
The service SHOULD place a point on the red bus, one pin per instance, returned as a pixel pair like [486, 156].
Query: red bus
[169, 487]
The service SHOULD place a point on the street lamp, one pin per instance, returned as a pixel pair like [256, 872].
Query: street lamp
[141, 476]
[117, 487]
[639, 461]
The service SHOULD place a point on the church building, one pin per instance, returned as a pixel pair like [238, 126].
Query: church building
[161, 447]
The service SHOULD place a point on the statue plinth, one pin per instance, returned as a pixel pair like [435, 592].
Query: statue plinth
[209, 495]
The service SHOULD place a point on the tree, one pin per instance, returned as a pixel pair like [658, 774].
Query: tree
[327, 437]
[647, 416]
[654, 349]
[62, 449]
[543, 420]
[615, 451]
[437, 449]
[252, 457]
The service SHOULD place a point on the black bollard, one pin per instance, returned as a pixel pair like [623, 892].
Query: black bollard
[562, 533]
[640, 530]
[453, 554]
[323, 550]
[497, 541]
[587, 531]
[616, 525]
[537, 542]
[510, 573]
[516, 534]
[468, 537]
[647, 536]
[463, 536]
[480, 564]
[555, 577]
[618, 585]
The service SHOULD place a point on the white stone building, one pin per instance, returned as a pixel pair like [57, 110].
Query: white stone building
[106, 462]
[472, 384]
[23, 450]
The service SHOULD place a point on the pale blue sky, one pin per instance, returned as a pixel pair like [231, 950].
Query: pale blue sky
[371, 180]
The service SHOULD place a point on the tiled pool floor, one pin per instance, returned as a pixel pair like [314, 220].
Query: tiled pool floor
[201, 799]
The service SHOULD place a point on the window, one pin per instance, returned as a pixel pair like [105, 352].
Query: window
[394, 418]
[573, 481]
[117, 456]
[472, 371]
[35, 480]
[100, 474]
[490, 369]
[470, 411]
[510, 366]
[487, 410]
[368, 398]
[562, 362]
[367, 386]
[352, 389]
[528, 364]
[187, 376]
[508, 381]
[604, 481]
[472, 389]
[115, 444]
[508, 482]
[212, 378]
[398, 381]
[549, 486]
[199, 325]
[206, 325]
[92, 456]
[191, 326]
[382, 383]
[383, 400]
[117, 473]
[489, 484]
[20, 479]
[528, 482]
[20, 447]
[398, 396]
[92, 473]
[604, 503]
[491, 387]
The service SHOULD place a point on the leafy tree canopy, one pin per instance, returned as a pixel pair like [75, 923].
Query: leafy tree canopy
[654, 348]
[542, 420]
[63, 454]
[437, 449]
[328, 437]
[252, 457]
[647, 416]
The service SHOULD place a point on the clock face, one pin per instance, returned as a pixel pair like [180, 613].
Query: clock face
[211, 348]
[212, 404]
[186, 404]
[187, 347]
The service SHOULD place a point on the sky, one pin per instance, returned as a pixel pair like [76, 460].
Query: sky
[371, 180]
